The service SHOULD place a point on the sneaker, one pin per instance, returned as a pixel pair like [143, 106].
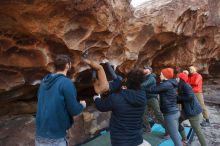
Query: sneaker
[205, 123]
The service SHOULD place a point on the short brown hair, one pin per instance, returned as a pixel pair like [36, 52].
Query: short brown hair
[61, 61]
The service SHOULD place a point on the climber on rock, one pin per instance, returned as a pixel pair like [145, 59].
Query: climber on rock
[100, 82]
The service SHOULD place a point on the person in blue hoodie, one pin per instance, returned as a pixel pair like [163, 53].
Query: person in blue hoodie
[57, 104]
[127, 108]
[191, 108]
[167, 91]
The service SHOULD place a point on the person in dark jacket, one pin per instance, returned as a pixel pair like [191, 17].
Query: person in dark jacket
[168, 103]
[56, 106]
[191, 108]
[152, 99]
[127, 108]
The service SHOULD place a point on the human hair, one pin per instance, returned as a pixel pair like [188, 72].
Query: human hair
[134, 79]
[193, 69]
[61, 61]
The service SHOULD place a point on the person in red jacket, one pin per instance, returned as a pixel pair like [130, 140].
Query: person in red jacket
[195, 80]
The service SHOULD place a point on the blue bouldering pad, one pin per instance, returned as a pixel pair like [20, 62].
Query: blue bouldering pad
[155, 138]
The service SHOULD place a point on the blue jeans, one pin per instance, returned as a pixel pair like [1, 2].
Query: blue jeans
[40, 141]
[172, 125]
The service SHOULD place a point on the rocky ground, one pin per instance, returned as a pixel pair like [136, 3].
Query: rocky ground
[20, 130]
[212, 132]
[162, 33]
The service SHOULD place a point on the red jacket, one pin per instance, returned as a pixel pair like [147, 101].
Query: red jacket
[195, 80]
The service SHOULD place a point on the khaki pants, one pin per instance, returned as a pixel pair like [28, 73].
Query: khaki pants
[152, 103]
[195, 124]
[202, 103]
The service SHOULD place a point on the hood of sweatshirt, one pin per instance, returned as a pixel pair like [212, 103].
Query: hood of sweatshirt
[135, 97]
[173, 82]
[50, 80]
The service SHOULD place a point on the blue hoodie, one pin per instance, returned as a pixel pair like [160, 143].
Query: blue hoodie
[126, 123]
[56, 105]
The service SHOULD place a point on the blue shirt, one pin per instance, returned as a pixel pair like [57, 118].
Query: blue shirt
[56, 105]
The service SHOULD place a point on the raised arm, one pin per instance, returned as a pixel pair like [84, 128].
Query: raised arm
[158, 88]
[148, 83]
[101, 83]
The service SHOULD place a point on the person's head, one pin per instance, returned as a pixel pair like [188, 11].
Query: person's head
[183, 76]
[134, 79]
[192, 69]
[62, 63]
[166, 74]
[186, 72]
[147, 70]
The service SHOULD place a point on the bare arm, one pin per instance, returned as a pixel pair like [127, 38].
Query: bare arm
[101, 84]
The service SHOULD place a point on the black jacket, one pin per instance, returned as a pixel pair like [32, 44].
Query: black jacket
[187, 98]
[168, 95]
[127, 108]
[150, 81]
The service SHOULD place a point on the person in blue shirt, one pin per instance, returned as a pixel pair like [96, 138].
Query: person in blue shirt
[57, 104]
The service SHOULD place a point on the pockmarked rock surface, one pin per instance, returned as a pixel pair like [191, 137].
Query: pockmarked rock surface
[20, 129]
[162, 33]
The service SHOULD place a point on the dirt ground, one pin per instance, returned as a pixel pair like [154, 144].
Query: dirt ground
[212, 133]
